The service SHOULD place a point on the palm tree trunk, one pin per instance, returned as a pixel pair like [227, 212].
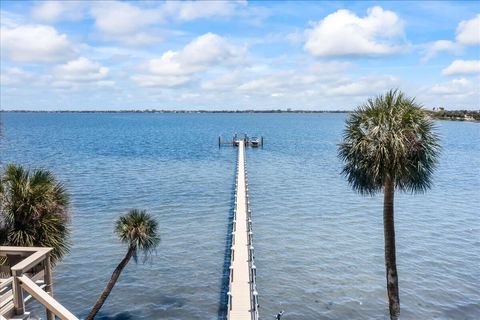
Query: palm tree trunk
[116, 273]
[390, 255]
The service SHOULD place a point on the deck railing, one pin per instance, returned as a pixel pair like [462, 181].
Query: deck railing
[31, 273]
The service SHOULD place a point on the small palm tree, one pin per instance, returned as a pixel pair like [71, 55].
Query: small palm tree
[140, 231]
[389, 143]
[34, 210]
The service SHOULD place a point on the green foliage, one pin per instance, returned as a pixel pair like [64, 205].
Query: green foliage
[34, 210]
[139, 230]
[459, 115]
[389, 137]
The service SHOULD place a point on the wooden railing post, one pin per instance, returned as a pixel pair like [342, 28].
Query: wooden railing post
[18, 303]
[48, 279]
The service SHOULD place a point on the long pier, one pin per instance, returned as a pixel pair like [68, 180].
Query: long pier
[242, 294]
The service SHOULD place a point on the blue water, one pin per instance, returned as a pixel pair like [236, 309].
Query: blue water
[318, 245]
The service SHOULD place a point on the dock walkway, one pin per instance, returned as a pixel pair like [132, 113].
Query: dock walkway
[242, 295]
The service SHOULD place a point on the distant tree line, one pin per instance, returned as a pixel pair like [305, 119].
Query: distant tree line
[459, 115]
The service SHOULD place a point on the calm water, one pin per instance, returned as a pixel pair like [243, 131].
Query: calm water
[319, 246]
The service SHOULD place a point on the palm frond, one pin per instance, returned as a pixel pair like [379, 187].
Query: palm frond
[389, 136]
[34, 209]
[139, 230]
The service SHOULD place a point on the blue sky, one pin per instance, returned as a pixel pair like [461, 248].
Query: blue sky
[324, 55]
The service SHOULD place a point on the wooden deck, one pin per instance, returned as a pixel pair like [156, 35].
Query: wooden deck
[242, 292]
[32, 275]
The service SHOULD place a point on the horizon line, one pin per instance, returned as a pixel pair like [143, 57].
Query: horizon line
[178, 111]
[205, 111]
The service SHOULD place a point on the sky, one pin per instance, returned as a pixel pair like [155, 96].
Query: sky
[220, 55]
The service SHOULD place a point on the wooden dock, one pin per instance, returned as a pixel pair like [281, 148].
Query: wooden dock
[242, 295]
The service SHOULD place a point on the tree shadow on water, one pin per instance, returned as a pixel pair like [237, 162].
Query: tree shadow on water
[117, 316]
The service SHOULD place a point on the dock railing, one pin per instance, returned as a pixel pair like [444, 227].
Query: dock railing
[31, 273]
[253, 294]
[251, 255]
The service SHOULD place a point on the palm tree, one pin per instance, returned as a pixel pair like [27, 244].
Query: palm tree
[140, 231]
[34, 210]
[389, 143]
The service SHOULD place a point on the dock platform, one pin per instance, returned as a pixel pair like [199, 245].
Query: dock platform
[242, 295]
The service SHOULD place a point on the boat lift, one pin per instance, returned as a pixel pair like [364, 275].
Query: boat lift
[253, 142]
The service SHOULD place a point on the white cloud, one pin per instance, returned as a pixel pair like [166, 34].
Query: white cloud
[266, 81]
[12, 76]
[296, 37]
[149, 80]
[308, 87]
[468, 31]
[10, 20]
[282, 83]
[459, 93]
[330, 68]
[439, 46]
[174, 68]
[124, 22]
[365, 86]
[52, 11]
[462, 67]
[262, 78]
[192, 10]
[226, 81]
[460, 86]
[35, 43]
[80, 70]
[137, 24]
[343, 33]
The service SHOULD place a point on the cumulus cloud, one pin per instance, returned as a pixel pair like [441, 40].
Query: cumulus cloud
[80, 70]
[35, 43]
[462, 67]
[124, 22]
[302, 85]
[439, 46]
[343, 33]
[307, 87]
[468, 31]
[460, 86]
[174, 68]
[53, 11]
[138, 24]
[265, 80]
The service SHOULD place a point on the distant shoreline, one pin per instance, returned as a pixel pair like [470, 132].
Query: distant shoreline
[450, 115]
[175, 111]
[455, 115]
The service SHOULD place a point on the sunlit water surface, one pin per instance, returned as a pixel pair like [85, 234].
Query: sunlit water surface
[318, 245]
